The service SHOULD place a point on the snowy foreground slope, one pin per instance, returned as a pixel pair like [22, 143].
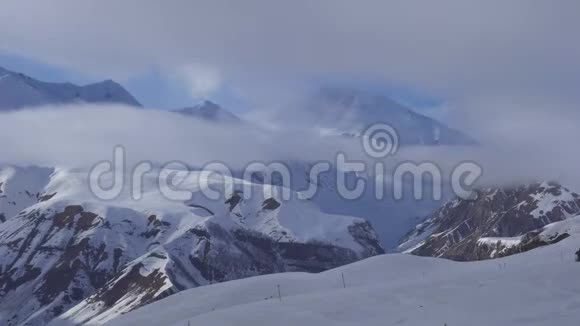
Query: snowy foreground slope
[64, 252]
[539, 287]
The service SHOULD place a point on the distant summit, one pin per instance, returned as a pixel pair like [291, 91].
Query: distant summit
[210, 111]
[18, 90]
[350, 111]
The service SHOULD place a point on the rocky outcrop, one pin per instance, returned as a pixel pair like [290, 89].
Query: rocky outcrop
[497, 223]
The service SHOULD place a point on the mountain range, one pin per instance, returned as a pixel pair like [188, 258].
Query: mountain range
[69, 258]
[61, 248]
[332, 110]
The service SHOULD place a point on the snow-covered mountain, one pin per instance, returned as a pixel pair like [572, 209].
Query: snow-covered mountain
[391, 218]
[536, 288]
[62, 251]
[350, 111]
[18, 90]
[498, 223]
[210, 111]
[65, 253]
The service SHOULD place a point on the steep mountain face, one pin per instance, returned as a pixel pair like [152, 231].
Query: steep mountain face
[18, 90]
[209, 111]
[498, 223]
[349, 111]
[65, 253]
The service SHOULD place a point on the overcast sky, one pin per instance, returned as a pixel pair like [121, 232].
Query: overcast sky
[506, 72]
[448, 49]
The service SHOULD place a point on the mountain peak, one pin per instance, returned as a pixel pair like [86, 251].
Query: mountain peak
[350, 111]
[108, 82]
[357, 97]
[21, 90]
[107, 91]
[210, 111]
[208, 107]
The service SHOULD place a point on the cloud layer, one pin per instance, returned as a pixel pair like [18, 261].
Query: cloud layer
[81, 136]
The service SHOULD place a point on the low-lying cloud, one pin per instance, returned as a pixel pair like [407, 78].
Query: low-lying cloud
[525, 148]
[81, 135]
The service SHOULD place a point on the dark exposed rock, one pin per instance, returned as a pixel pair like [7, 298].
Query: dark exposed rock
[364, 234]
[203, 208]
[234, 200]
[46, 197]
[270, 204]
[133, 280]
[64, 271]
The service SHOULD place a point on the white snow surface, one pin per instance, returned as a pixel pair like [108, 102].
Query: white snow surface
[294, 220]
[547, 201]
[504, 241]
[568, 226]
[539, 287]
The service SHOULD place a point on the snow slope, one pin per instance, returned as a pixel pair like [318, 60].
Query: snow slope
[539, 287]
[65, 252]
